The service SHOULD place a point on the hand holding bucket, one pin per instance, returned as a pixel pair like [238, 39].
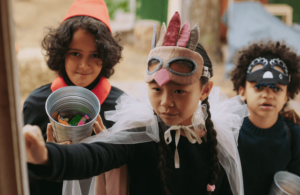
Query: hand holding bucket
[70, 101]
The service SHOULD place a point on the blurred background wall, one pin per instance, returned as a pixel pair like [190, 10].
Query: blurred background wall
[133, 20]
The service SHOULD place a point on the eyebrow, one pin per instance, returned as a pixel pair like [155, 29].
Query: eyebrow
[81, 50]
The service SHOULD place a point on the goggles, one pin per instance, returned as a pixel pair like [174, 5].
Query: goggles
[268, 71]
[171, 59]
[174, 64]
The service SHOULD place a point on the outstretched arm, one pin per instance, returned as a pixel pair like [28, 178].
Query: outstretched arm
[35, 145]
[67, 162]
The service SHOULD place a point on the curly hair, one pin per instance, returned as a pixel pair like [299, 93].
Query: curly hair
[57, 41]
[245, 56]
[163, 150]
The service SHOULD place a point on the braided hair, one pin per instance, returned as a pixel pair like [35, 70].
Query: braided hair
[211, 132]
[164, 151]
[212, 147]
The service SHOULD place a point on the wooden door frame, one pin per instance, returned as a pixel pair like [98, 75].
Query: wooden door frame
[13, 168]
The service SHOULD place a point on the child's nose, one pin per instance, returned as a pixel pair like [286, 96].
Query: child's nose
[167, 100]
[83, 63]
[267, 93]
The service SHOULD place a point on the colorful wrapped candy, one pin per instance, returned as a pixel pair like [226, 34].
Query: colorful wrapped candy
[76, 121]
[62, 120]
[83, 120]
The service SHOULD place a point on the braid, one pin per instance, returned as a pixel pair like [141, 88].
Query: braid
[211, 132]
[212, 145]
[162, 162]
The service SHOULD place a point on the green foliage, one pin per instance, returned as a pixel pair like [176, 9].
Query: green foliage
[115, 5]
[295, 4]
[152, 10]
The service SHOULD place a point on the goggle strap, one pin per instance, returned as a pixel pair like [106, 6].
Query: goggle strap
[205, 72]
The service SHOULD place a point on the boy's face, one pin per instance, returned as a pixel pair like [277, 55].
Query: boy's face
[82, 62]
[263, 102]
[175, 104]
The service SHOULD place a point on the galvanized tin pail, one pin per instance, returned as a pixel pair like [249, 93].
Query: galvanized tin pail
[285, 183]
[70, 101]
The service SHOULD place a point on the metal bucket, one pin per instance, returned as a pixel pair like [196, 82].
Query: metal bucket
[70, 101]
[285, 183]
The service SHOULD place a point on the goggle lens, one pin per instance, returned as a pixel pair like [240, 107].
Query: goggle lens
[182, 66]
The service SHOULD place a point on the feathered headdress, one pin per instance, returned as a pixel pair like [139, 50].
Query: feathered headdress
[175, 46]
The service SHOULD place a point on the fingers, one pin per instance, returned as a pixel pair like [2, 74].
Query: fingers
[97, 129]
[50, 137]
[98, 125]
[32, 134]
[36, 150]
[100, 122]
[65, 143]
[30, 138]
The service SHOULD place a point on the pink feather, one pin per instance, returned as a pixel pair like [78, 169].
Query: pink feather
[184, 35]
[173, 30]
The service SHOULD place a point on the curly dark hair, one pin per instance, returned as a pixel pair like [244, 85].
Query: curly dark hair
[57, 41]
[164, 152]
[244, 57]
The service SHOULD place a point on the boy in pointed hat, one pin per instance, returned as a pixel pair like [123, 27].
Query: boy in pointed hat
[83, 53]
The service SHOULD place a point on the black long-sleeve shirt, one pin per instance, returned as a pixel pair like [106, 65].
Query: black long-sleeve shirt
[35, 114]
[81, 161]
[263, 152]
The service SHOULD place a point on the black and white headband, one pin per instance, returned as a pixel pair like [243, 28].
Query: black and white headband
[268, 74]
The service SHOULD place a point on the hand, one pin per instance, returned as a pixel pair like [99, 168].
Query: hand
[97, 128]
[50, 137]
[98, 125]
[36, 150]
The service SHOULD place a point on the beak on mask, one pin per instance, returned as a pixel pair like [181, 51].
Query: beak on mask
[173, 57]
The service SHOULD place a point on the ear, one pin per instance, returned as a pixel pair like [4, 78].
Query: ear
[242, 93]
[206, 90]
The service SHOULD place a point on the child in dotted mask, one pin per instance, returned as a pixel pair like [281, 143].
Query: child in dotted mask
[266, 75]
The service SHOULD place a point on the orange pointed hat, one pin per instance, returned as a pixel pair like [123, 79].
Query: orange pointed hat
[93, 8]
[173, 57]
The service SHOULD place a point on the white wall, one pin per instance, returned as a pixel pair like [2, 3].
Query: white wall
[173, 6]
